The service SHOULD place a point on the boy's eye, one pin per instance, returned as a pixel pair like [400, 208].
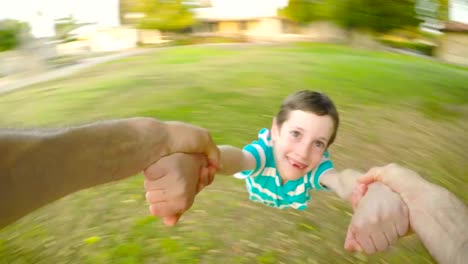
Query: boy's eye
[295, 133]
[319, 144]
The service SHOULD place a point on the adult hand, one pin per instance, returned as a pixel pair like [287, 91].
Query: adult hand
[172, 183]
[186, 138]
[379, 219]
[436, 215]
[407, 183]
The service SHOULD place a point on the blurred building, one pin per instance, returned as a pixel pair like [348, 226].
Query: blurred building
[454, 43]
[101, 30]
[99, 39]
[453, 46]
[266, 27]
[258, 21]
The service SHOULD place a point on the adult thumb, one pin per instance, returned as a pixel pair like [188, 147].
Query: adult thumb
[373, 175]
[213, 155]
[399, 179]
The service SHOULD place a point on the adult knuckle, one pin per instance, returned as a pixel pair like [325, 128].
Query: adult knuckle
[374, 219]
[359, 225]
[385, 216]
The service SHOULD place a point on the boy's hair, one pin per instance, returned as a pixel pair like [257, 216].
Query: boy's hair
[309, 101]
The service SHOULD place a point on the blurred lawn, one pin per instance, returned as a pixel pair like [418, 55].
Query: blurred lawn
[394, 108]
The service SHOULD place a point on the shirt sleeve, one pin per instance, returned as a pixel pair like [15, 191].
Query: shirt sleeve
[324, 166]
[258, 149]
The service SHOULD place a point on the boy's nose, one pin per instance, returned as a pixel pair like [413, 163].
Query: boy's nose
[303, 151]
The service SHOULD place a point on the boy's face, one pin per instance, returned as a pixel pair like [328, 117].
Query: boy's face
[300, 143]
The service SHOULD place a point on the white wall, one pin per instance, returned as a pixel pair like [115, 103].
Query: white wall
[42, 13]
[459, 11]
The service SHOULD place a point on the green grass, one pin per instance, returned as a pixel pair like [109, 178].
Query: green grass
[394, 108]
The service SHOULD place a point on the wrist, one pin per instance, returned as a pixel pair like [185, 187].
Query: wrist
[153, 137]
[349, 184]
[172, 135]
[420, 196]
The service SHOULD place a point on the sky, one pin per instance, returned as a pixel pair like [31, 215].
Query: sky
[41, 13]
[459, 11]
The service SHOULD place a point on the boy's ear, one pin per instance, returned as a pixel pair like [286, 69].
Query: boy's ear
[274, 130]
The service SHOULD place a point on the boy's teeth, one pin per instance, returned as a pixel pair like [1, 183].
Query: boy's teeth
[297, 165]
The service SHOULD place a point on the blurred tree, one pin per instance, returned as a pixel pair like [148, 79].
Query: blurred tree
[128, 6]
[11, 33]
[377, 15]
[63, 27]
[374, 15]
[305, 11]
[165, 15]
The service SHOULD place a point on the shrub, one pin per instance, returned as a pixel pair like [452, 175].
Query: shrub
[419, 47]
[11, 33]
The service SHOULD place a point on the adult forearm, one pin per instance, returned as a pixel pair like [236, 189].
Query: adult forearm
[440, 220]
[37, 168]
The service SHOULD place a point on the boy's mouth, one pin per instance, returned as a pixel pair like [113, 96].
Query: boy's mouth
[297, 164]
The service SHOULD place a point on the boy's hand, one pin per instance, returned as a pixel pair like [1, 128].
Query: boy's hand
[172, 183]
[379, 219]
[187, 138]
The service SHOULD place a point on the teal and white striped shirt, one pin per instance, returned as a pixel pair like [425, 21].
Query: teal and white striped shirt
[265, 185]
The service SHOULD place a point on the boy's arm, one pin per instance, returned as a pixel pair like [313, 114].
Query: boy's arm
[341, 182]
[234, 160]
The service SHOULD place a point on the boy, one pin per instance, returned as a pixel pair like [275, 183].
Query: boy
[284, 164]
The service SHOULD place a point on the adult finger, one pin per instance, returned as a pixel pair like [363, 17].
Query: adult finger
[163, 209]
[203, 180]
[171, 220]
[402, 226]
[213, 154]
[154, 172]
[211, 174]
[151, 185]
[156, 196]
[392, 235]
[351, 243]
[380, 241]
[366, 243]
